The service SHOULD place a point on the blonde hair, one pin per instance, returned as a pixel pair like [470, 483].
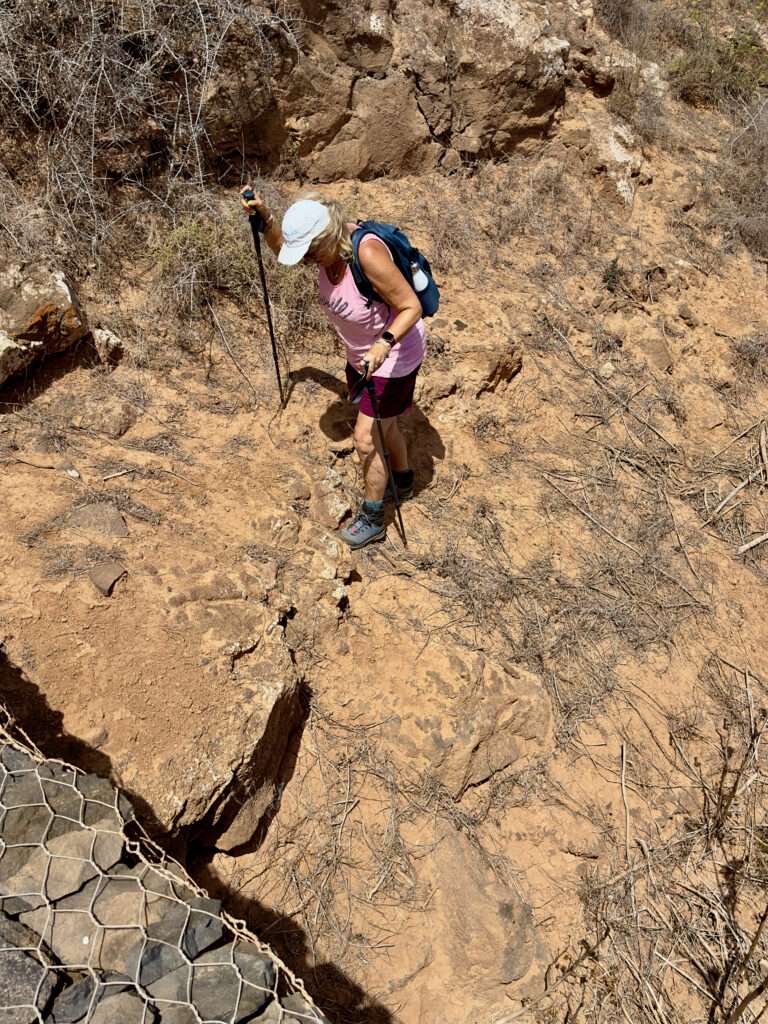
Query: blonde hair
[335, 238]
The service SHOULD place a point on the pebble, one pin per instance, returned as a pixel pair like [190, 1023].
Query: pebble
[607, 370]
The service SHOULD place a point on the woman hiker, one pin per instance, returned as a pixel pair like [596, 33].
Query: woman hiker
[389, 336]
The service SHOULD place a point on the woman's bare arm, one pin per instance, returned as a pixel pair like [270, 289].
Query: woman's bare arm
[390, 284]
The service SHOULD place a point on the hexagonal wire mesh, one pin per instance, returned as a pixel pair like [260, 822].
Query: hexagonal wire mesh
[98, 925]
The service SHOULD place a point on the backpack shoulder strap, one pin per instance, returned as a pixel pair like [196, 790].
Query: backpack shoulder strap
[364, 286]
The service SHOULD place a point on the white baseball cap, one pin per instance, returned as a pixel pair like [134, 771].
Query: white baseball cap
[302, 223]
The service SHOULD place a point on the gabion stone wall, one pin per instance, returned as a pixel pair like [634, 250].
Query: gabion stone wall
[96, 925]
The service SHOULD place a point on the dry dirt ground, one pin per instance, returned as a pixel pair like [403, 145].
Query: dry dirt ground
[499, 723]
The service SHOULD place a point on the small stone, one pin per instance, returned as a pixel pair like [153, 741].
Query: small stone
[111, 416]
[119, 903]
[71, 1006]
[300, 1010]
[21, 971]
[94, 787]
[166, 919]
[24, 981]
[57, 771]
[22, 788]
[178, 1015]
[607, 370]
[22, 873]
[109, 347]
[107, 849]
[16, 760]
[255, 968]
[460, 325]
[656, 352]
[153, 883]
[123, 1008]
[217, 973]
[105, 575]
[70, 934]
[63, 799]
[173, 987]
[204, 927]
[157, 960]
[273, 1014]
[687, 315]
[98, 518]
[25, 824]
[119, 950]
[216, 991]
[298, 490]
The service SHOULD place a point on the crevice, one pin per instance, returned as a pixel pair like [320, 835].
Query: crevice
[270, 766]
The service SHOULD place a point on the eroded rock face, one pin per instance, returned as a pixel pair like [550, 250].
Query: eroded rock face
[396, 88]
[481, 717]
[40, 315]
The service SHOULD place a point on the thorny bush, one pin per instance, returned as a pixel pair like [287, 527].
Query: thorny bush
[115, 94]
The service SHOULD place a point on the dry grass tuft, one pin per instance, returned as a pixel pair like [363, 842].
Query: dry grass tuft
[750, 357]
[678, 920]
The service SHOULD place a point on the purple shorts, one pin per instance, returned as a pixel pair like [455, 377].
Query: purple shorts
[394, 395]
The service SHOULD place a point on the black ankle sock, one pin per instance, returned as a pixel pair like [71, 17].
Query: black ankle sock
[374, 510]
[403, 476]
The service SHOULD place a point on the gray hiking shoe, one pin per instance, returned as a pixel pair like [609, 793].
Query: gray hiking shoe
[364, 529]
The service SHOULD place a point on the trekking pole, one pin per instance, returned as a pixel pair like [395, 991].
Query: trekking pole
[257, 225]
[370, 387]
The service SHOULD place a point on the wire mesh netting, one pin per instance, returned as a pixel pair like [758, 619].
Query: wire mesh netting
[98, 925]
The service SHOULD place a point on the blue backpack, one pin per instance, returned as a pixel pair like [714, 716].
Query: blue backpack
[408, 260]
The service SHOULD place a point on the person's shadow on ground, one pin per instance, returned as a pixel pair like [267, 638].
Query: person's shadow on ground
[425, 445]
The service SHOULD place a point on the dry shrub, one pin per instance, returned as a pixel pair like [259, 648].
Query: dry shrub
[735, 191]
[712, 69]
[745, 179]
[639, 103]
[451, 228]
[523, 200]
[646, 28]
[679, 916]
[209, 253]
[206, 252]
[114, 94]
[750, 357]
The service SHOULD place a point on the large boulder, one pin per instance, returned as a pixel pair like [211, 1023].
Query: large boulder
[40, 315]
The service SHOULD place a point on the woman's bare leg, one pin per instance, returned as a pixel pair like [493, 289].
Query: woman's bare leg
[371, 455]
[396, 446]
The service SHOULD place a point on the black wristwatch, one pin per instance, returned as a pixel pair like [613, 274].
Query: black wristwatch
[389, 337]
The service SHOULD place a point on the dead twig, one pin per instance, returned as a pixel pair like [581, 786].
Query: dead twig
[755, 475]
[232, 356]
[752, 544]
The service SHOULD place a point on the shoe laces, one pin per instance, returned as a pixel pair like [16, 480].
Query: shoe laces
[360, 523]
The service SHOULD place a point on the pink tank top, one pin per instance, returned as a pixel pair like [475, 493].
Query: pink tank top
[359, 326]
